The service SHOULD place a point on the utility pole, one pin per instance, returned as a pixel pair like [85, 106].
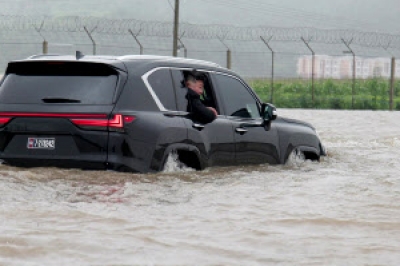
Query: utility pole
[176, 29]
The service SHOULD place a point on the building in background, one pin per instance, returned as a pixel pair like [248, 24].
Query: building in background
[341, 67]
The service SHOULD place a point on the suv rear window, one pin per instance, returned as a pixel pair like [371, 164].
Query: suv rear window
[58, 82]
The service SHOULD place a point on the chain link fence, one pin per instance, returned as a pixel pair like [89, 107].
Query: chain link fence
[298, 68]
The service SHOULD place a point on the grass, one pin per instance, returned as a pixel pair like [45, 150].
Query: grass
[371, 94]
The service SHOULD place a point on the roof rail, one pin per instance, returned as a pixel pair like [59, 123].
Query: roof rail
[41, 55]
[169, 58]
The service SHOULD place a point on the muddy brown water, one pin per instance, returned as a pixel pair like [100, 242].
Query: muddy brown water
[344, 210]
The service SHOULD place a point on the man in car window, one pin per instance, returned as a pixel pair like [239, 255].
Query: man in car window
[194, 82]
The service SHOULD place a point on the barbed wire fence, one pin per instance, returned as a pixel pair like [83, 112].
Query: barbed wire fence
[291, 66]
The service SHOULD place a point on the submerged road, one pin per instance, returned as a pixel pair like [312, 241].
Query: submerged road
[344, 210]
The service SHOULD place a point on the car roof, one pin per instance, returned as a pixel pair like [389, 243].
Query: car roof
[136, 65]
[120, 61]
[171, 59]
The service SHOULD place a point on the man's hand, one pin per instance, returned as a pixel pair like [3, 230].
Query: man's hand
[214, 111]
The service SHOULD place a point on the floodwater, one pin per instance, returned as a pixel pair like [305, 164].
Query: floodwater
[344, 210]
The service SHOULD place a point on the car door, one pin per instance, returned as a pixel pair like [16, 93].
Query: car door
[215, 140]
[253, 144]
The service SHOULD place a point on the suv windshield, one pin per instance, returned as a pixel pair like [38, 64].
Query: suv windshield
[58, 82]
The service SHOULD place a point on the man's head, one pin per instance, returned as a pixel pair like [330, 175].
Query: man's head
[195, 82]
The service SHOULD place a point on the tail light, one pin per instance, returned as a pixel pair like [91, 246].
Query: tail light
[4, 120]
[84, 121]
[115, 123]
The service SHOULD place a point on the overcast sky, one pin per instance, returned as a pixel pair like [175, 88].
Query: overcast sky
[365, 15]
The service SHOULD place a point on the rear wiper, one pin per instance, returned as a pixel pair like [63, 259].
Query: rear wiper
[60, 100]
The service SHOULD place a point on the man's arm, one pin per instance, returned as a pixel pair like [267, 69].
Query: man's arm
[213, 109]
[202, 113]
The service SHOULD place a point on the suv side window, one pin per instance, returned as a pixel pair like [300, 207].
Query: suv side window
[181, 91]
[161, 83]
[179, 82]
[238, 101]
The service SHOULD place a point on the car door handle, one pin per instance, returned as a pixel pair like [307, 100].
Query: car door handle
[241, 130]
[198, 126]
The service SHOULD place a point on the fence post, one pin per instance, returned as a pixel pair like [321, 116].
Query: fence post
[91, 38]
[135, 36]
[45, 47]
[354, 69]
[228, 56]
[392, 79]
[184, 47]
[45, 44]
[272, 67]
[229, 59]
[312, 69]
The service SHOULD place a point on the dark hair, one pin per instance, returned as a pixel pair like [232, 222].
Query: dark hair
[199, 76]
[190, 78]
[192, 75]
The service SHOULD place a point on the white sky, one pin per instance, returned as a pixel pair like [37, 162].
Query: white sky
[365, 15]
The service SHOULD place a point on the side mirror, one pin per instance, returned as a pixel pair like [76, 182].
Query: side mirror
[269, 113]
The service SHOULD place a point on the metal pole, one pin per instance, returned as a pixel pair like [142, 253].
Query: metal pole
[273, 66]
[228, 55]
[91, 38]
[184, 47]
[353, 87]
[176, 29]
[45, 47]
[229, 59]
[272, 77]
[354, 71]
[312, 69]
[392, 78]
[137, 40]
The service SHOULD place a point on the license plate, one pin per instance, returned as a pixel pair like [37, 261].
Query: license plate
[41, 143]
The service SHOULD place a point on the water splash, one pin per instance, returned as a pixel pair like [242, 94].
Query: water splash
[296, 159]
[173, 164]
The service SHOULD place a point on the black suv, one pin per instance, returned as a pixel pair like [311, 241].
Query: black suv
[128, 113]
